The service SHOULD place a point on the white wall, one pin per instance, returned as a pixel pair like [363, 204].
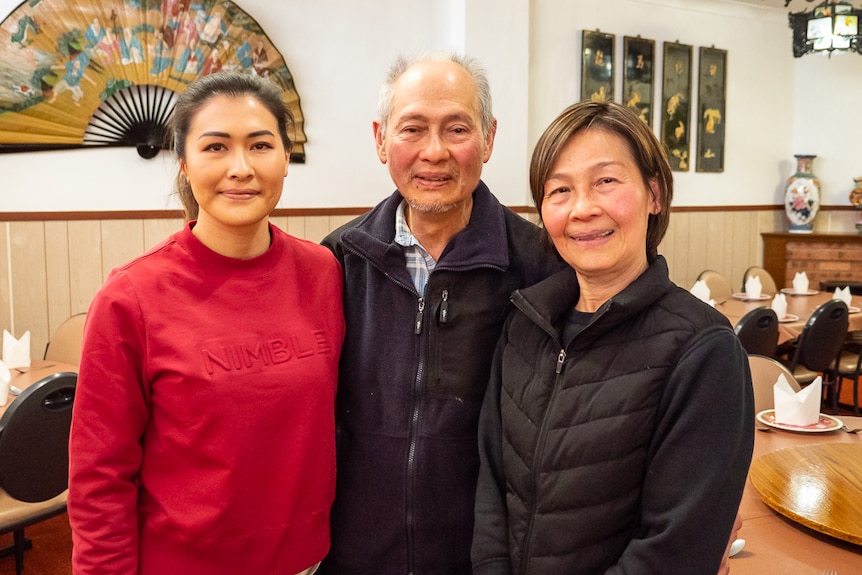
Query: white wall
[338, 52]
[759, 111]
[827, 121]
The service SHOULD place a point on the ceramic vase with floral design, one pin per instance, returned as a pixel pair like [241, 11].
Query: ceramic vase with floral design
[802, 196]
[856, 200]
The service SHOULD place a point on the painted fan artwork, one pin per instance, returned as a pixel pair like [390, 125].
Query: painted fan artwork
[107, 72]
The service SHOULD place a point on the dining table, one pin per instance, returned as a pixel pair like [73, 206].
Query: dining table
[22, 378]
[799, 309]
[801, 508]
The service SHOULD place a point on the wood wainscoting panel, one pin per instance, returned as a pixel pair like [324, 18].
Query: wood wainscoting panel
[122, 241]
[5, 277]
[696, 246]
[29, 283]
[727, 242]
[336, 222]
[671, 248]
[57, 271]
[312, 228]
[85, 262]
[748, 250]
[317, 228]
[294, 225]
[54, 263]
[157, 230]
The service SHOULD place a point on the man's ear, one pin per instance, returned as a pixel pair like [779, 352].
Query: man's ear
[489, 142]
[378, 140]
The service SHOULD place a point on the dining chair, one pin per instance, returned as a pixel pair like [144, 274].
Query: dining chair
[849, 367]
[767, 282]
[719, 287]
[757, 331]
[830, 285]
[34, 457]
[764, 374]
[816, 351]
[65, 343]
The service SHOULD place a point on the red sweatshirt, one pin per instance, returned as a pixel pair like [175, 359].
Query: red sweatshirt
[203, 428]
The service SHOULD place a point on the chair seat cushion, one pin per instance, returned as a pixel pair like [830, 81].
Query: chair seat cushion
[848, 362]
[804, 375]
[14, 513]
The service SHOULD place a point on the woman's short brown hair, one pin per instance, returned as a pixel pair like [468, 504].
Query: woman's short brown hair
[648, 153]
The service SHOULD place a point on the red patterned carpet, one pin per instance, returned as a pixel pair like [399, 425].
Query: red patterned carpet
[52, 549]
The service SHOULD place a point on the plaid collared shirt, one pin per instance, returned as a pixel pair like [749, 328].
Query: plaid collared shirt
[419, 263]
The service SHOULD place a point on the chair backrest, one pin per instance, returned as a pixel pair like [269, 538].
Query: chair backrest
[764, 374]
[767, 282]
[822, 337]
[758, 331]
[65, 343]
[34, 439]
[719, 287]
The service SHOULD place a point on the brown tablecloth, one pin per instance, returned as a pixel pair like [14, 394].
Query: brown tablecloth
[800, 306]
[776, 544]
[39, 368]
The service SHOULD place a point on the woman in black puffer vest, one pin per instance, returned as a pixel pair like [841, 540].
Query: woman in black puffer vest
[618, 426]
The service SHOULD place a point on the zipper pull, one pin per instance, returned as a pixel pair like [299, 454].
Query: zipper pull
[417, 325]
[444, 307]
[560, 359]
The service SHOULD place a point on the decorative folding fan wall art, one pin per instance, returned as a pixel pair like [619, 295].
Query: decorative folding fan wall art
[107, 72]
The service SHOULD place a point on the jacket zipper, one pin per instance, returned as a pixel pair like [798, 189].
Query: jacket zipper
[418, 324]
[411, 459]
[540, 446]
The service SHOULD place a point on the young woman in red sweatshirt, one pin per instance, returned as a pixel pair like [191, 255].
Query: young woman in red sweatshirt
[203, 429]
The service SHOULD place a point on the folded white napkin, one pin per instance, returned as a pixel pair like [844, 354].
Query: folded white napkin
[779, 305]
[701, 291]
[797, 408]
[753, 287]
[16, 352]
[800, 282]
[5, 378]
[843, 295]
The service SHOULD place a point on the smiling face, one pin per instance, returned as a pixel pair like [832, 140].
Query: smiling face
[433, 141]
[596, 208]
[235, 162]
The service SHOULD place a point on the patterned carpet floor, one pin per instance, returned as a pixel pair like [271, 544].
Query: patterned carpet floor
[52, 549]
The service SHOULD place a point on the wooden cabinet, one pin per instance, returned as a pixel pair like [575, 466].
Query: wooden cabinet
[823, 257]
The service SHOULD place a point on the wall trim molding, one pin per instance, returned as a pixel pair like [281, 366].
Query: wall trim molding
[310, 212]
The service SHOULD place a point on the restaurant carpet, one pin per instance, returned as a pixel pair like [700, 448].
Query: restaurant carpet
[52, 539]
[52, 549]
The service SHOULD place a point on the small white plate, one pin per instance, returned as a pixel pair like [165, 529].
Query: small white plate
[853, 309]
[791, 291]
[788, 318]
[827, 423]
[745, 297]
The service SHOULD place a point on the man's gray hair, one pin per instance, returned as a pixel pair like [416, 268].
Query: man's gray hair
[471, 65]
